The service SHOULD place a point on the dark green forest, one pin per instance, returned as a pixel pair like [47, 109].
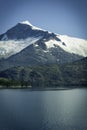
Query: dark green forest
[63, 75]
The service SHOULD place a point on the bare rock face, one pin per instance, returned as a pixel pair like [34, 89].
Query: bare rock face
[27, 45]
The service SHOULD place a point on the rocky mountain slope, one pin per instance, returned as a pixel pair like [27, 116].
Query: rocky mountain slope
[25, 45]
[71, 75]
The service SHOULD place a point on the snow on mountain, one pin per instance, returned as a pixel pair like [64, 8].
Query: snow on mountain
[10, 47]
[26, 22]
[74, 45]
[32, 26]
[5, 37]
[69, 44]
[21, 36]
[51, 43]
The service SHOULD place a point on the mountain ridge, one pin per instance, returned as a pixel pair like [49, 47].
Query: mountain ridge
[25, 44]
[23, 31]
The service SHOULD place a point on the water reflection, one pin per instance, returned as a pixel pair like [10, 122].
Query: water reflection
[43, 110]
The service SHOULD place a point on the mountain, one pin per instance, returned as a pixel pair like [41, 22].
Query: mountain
[70, 75]
[25, 44]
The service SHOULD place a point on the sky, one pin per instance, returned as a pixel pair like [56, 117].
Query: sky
[66, 17]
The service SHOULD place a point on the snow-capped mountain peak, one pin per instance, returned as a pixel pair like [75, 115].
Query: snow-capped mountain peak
[26, 22]
[25, 34]
[32, 26]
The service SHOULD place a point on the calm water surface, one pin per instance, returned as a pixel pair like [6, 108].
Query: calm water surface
[43, 110]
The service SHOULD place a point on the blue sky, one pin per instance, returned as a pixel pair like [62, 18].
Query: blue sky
[68, 17]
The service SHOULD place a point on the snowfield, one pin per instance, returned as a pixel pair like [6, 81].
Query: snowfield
[69, 44]
[10, 47]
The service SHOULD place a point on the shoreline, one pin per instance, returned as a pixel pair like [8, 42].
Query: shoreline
[41, 89]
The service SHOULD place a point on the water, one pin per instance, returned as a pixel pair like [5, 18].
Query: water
[43, 110]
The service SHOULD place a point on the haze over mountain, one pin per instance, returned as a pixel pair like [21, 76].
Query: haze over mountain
[25, 44]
